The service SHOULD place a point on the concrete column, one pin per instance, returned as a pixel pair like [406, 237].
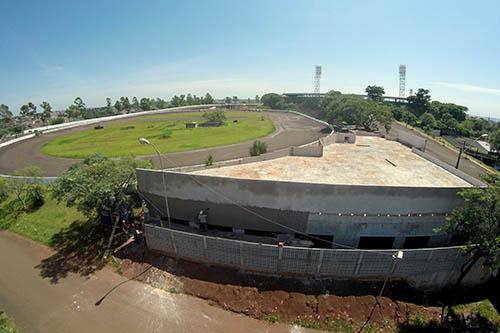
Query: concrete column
[398, 242]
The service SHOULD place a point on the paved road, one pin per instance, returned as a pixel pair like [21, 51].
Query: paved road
[37, 305]
[444, 153]
[291, 130]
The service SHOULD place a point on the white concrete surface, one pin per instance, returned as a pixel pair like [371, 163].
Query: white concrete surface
[371, 161]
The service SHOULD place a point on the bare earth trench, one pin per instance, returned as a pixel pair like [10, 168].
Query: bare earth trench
[264, 297]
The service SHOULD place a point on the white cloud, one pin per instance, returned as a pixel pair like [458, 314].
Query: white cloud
[469, 88]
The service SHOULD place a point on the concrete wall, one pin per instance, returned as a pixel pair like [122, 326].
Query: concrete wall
[344, 211]
[422, 268]
[313, 150]
[342, 137]
[449, 168]
[411, 140]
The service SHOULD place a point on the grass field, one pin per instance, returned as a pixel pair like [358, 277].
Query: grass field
[167, 131]
[41, 224]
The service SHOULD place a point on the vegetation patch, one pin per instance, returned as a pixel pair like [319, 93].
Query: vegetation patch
[7, 325]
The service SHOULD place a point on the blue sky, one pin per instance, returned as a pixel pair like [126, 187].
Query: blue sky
[57, 50]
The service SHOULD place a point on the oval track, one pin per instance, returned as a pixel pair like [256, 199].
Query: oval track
[291, 130]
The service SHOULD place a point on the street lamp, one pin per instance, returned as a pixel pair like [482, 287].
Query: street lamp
[144, 141]
[464, 148]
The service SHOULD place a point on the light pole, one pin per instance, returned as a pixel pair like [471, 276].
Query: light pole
[464, 147]
[144, 141]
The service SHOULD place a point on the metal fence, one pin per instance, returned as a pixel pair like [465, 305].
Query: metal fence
[423, 268]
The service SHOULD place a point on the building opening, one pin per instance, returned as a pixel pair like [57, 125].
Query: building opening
[416, 242]
[375, 242]
[174, 220]
[219, 228]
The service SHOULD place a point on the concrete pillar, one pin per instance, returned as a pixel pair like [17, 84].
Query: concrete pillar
[398, 242]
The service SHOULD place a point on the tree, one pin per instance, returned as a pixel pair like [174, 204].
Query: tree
[275, 101]
[178, 101]
[494, 140]
[419, 103]
[440, 110]
[28, 110]
[28, 193]
[47, 111]
[124, 101]
[427, 121]
[218, 116]
[375, 93]
[354, 110]
[235, 99]
[228, 100]
[72, 112]
[78, 102]
[118, 106]
[97, 182]
[408, 118]
[208, 99]
[257, 99]
[477, 222]
[135, 103]
[145, 104]
[6, 116]
[189, 99]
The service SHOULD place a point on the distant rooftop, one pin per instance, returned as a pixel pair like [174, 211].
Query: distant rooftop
[370, 161]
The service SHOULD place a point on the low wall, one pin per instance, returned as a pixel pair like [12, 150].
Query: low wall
[314, 150]
[422, 268]
[343, 137]
[449, 168]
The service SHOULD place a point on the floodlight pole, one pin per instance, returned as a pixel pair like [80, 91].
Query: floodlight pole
[146, 141]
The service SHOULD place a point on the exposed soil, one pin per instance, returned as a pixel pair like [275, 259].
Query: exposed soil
[274, 298]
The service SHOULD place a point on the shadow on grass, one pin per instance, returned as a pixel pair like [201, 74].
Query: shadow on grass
[79, 249]
[454, 322]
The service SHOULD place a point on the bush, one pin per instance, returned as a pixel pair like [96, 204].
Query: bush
[258, 148]
[218, 116]
[58, 120]
[210, 160]
[4, 191]
[34, 198]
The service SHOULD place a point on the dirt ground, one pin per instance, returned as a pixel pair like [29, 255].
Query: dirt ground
[319, 304]
[291, 130]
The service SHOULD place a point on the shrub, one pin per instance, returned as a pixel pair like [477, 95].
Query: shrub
[258, 148]
[210, 160]
[218, 116]
[58, 120]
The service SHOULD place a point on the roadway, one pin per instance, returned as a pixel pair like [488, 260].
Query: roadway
[37, 305]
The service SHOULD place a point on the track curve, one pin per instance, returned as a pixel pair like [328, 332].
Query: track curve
[291, 130]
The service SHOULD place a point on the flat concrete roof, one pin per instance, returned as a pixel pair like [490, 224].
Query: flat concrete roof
[370, 161]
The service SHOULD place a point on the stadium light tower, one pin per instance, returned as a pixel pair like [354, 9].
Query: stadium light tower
[402, 80]
[317, 79]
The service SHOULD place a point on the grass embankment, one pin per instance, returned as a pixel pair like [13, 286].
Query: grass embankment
[39, 225]
[7, 324]
[167, 131]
